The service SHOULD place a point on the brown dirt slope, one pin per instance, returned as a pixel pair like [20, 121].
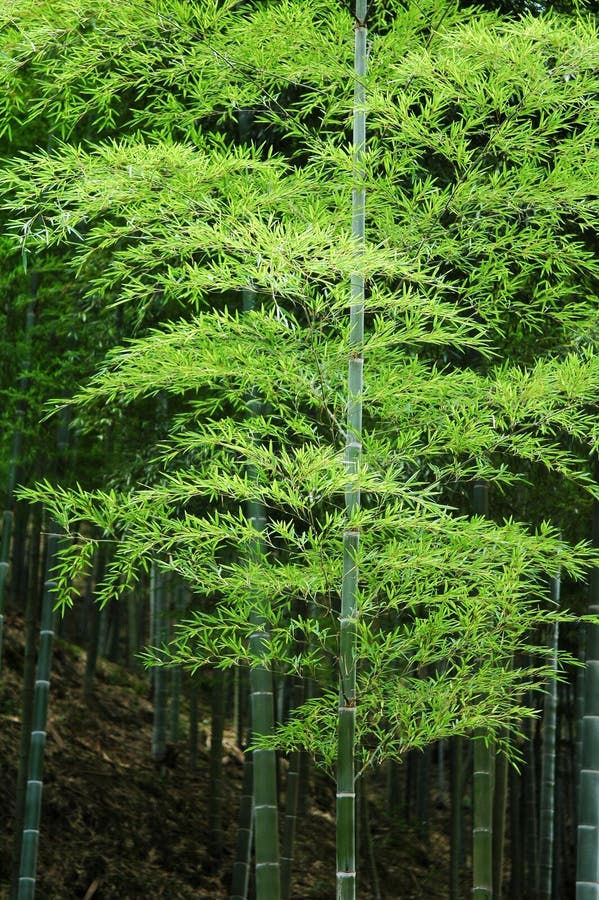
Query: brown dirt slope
[116, 828]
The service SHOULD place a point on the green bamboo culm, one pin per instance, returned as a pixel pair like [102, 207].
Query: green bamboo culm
[483, 773]
[266, 820]
[587, 853]
[33, 795]
[292, 792]
[547, 817]
[15, 458]
[245, 831]
[346, 789]
[158, 603]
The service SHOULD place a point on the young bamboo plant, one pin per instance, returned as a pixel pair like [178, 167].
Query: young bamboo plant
[346, 770]
[442, 601]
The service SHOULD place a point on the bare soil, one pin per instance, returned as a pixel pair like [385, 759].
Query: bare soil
[116, 826]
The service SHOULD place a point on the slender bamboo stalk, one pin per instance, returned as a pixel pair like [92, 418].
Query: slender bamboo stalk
[193, 723]
[15, 458]
[587, 862]
[393, 793]
[266, 837]
[346, 788]
[291, 804]
[482, 832]
[367, 841]
[483, 778]
[423, 793]
[516, 817]
[457, 822]
[176, 673]
[215, 799]
[292, 790]
[27, 694]
[579, 704]
[132, 628]
[93, 631]
[241, 866]
[266, 827]
[530, 807]
[547, 817]
[158, 599]
[33, 797]
[499, 820]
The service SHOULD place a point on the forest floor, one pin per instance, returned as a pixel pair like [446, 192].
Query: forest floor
[114, 826]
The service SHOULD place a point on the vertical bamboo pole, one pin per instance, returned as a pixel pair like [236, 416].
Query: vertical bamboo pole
[264, 761]
[193, 723]
[33, 795]
[457, 821]
[530, 809]
[484, 759]
[292, 791]
[346, 788]
[291, 805]
[547, 815]
[15, 458]
[159, 603]
[241, 866]
[177, 672]
[215, 793]
[7, 523]
[266, 837]
[500, 792]
[93, 630]
[27, 693]
[587, 862]
[516, 818]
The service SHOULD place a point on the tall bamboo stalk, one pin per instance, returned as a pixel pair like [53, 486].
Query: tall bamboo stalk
[177, 672]
[516, 819]
[587, 862]
[266, 827]
[483, 777]
[7, 523]
[264, 761]
[547, 817]
[215, 793]
[241, 866]
[530, 809]
[457, 815]
[15, 458]
[93, 630]
[33, 796]
[500, 792]
[158, 602]
[346, 788]
[292, 790]
[291, 804]
[27, 693]
[193, 723]
[266, 837]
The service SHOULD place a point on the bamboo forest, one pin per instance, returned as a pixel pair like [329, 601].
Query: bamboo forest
[299, 449]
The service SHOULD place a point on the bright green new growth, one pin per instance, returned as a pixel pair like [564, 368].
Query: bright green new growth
[478, 171]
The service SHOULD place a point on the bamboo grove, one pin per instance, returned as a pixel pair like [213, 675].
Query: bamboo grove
[344, 266]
